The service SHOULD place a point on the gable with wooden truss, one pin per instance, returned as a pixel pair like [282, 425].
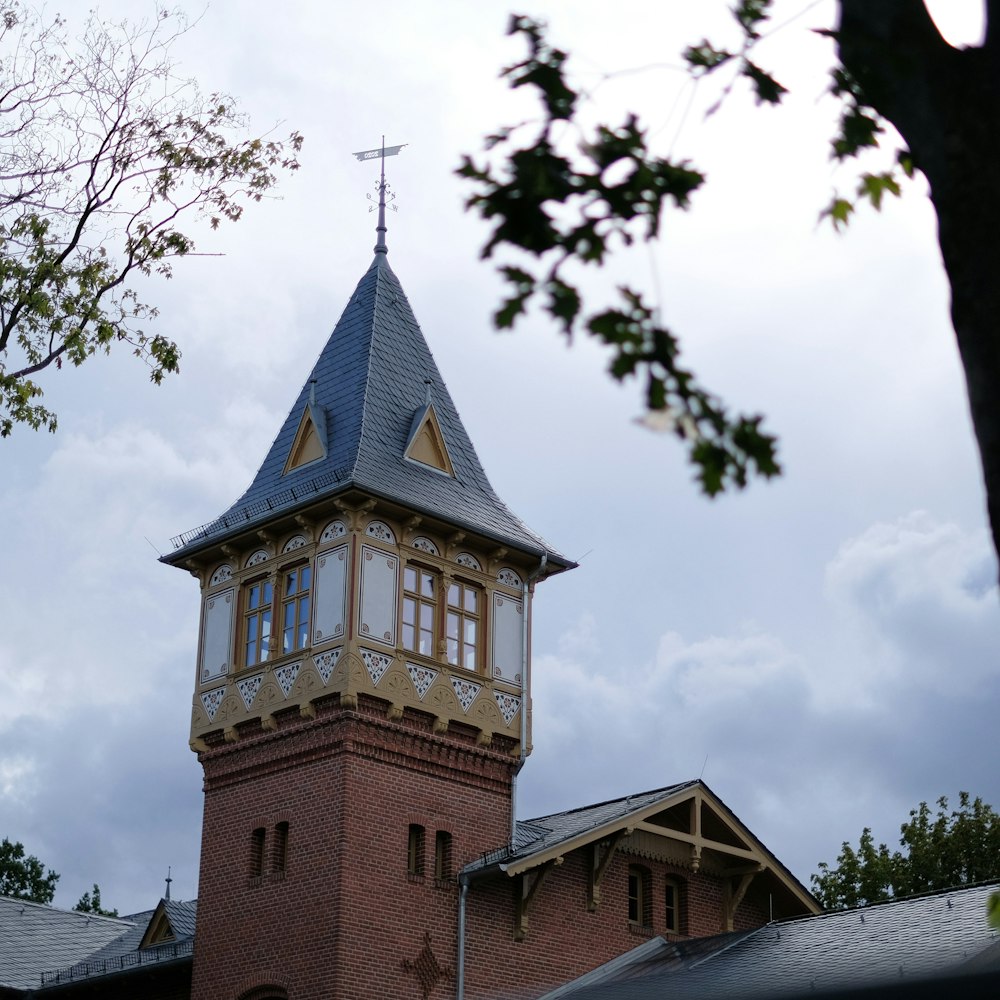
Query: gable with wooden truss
[686, 826]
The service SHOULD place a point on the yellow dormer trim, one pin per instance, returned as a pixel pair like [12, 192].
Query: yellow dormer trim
[309, 445]
[426, 444]
[159, 930]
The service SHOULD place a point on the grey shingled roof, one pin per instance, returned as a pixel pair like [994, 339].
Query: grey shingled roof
[370, 379]
[905, 940]
[123, 952]
[35, 938]
[535, 836]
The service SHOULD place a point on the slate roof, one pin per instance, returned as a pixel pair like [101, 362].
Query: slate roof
[904, 940]
[35, 938]
[371, 378]
[45, 947]
[538, 837]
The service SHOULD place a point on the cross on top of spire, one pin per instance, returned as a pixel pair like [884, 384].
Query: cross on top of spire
[369, 154]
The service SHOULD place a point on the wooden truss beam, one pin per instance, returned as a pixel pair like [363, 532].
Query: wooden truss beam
[702, 843]
[599, 862]
[525, 889]
[732, 896]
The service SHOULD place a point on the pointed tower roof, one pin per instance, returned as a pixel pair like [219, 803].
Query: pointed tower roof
[374, 415]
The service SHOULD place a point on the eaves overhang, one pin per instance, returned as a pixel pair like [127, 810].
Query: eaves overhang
[754, 856]
[204, 538]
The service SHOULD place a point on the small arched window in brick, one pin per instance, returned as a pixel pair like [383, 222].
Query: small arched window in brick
[640, 910]
[257, 852]
[415, 851]
[442, 856]
[279, 857]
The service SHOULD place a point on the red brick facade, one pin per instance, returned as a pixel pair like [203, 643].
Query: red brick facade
[335, 912]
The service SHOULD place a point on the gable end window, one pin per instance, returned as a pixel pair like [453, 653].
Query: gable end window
[673, 905]
[640, 911]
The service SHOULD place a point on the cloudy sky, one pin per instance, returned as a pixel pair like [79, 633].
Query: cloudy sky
[822, 649]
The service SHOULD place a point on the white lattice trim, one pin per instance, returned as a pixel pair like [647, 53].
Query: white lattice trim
[295, 542]
[249, 687]
[335, 529]
[465, 691]
[325, 662]
[285, 676]
[469, 560]
[211, 700]
[222, 574]
[422, 677]
[256, 558]
[509, 578]
[377, 663]
[424, 544]
[508, 705]
[381, 531]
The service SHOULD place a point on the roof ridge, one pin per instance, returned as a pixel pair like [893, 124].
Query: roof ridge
[376, 264]
[620, 798]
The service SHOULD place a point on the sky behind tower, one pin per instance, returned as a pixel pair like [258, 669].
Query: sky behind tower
[822, 650]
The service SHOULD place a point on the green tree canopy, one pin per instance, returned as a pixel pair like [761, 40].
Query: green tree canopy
[23, 876]
[90, 902]
[107, 158]
[562, 196]
[940, 851]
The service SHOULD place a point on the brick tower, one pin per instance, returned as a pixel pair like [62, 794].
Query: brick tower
[361, 704]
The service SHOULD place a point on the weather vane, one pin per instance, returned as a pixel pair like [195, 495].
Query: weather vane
[370, 154]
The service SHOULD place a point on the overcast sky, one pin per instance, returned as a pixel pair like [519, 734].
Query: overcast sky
[822, 650]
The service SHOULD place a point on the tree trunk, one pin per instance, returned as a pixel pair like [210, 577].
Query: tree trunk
[946, 105]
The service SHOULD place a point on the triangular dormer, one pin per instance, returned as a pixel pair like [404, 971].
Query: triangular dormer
[171, 923]
[309, 444]
[159, 929]
[426, 443]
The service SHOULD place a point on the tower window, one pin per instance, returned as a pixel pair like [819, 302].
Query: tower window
[415, 851]
[442, 856]
[463, 625]
[295, 608]
[256, 621]
[280, 849]
[419, 602]
[639, 896]
[257, 853]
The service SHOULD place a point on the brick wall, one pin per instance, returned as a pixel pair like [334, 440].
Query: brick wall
[336, 914]
[343, 919]
[564, 939]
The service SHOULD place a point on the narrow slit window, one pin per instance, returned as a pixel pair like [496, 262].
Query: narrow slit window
[442, 856]
[415, 850]
[257, 852]
[280, 848]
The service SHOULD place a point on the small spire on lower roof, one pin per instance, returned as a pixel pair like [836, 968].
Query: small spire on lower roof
[369, 154]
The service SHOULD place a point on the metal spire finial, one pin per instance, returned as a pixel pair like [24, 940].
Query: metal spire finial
[369, 154]
[168, 881]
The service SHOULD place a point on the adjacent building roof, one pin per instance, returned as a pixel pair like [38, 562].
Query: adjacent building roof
[689, 816]
[42, 947]
[907, 940]
[35, 938]
[372, 378]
